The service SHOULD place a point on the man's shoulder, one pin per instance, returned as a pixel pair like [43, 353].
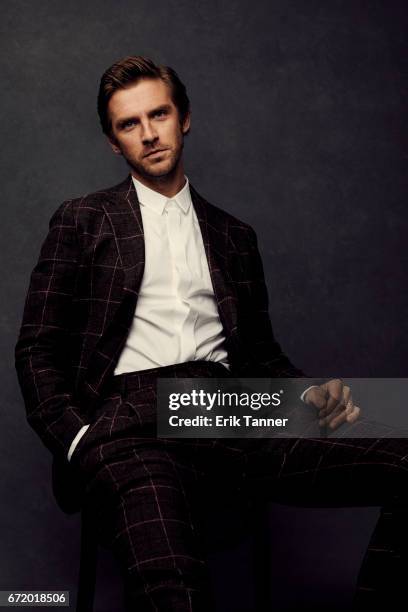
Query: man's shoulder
[96, 199]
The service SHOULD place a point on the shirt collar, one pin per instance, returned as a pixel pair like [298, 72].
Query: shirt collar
[157, 202]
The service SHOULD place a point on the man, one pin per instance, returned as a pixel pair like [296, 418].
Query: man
[147, 280]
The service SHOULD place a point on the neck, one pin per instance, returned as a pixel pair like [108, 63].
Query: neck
[168, 185]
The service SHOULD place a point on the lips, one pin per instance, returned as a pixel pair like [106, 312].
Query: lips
[156, 151]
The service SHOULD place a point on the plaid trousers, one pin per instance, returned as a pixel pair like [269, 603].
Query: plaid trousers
[151, 498]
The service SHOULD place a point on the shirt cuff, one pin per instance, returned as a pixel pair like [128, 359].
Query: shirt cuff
[302, 397]
[76, 440]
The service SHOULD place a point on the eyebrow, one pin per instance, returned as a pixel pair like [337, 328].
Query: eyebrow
[120, 123]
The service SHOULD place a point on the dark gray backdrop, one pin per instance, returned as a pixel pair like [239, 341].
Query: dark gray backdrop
[298, 128]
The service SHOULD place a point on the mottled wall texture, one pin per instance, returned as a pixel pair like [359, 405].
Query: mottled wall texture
[298, 129]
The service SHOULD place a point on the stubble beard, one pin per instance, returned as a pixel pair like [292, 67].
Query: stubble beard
[160, 170]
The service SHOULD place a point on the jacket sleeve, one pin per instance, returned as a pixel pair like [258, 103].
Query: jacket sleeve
[42, 356]
[265, 352]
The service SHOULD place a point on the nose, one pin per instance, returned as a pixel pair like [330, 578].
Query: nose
[149, 134]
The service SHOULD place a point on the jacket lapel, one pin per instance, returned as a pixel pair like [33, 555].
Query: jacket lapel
[123, 213]
[214, 231]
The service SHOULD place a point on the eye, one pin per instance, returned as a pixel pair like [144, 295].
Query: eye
[128, 124]
[160, 113]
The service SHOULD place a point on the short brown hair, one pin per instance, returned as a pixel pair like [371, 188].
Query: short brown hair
[130, 70]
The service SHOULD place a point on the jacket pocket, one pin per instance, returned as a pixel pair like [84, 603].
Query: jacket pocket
[98, 425]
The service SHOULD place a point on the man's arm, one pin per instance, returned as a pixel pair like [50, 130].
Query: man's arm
[331, 398]
[42, 359]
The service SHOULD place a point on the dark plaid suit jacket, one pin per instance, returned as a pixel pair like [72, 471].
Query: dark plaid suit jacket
[82, 297]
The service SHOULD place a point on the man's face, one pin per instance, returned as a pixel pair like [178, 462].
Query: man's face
[146, 128]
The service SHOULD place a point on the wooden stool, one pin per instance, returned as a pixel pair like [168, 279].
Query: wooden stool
[87, 565]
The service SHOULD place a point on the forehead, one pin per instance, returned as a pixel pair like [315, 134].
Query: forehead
[139, 98]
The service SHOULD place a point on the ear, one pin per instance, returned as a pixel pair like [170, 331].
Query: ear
[114, 146]
[185, 126]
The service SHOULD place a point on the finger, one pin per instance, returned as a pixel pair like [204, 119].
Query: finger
[335, 408]
[350, 407]
[346, 394]
[339, 411]
[325, 420]
[352, 418]
[316, 397]
[333, 402]
[344, 417]
[335, 389]
[332, 407]
[337, 421]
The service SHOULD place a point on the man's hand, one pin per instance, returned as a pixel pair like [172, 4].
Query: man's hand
[334, 403]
